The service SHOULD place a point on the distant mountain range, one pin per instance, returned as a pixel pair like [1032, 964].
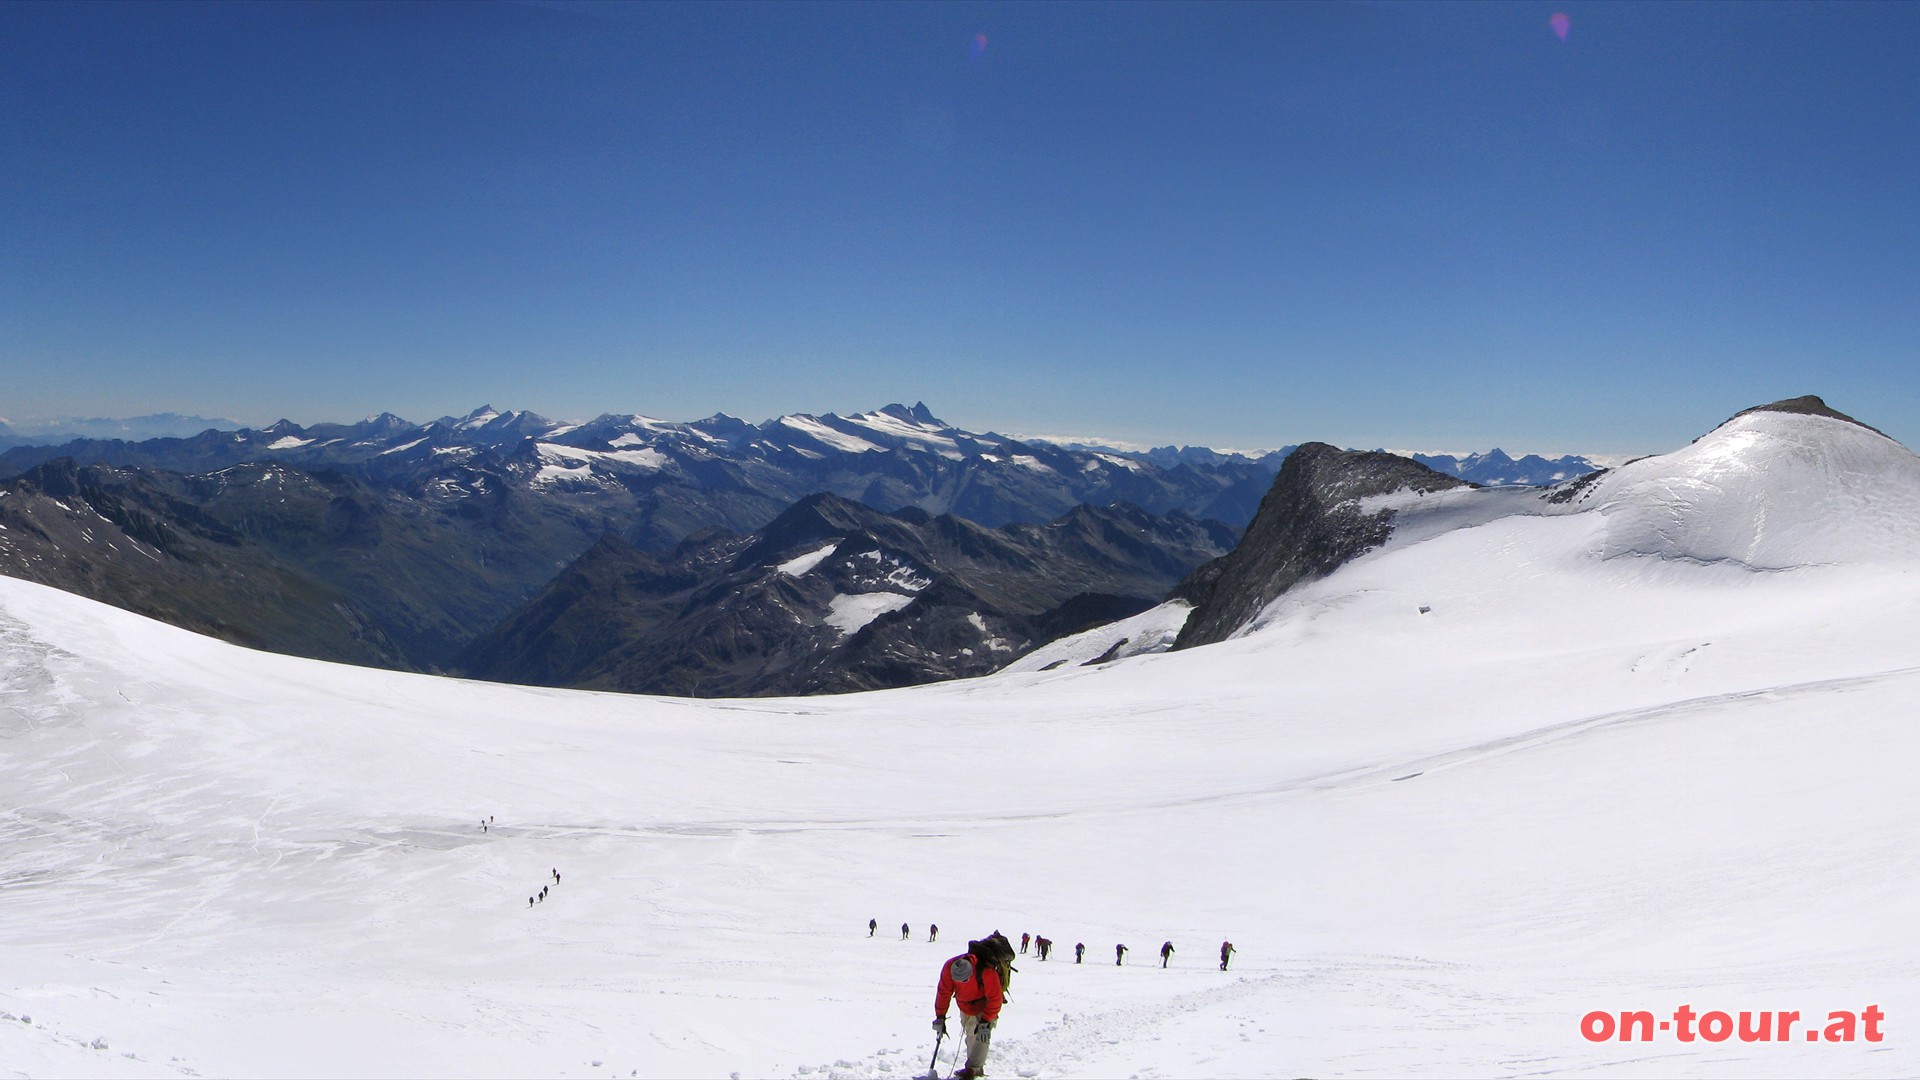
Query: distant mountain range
[633, 553]
[58, 429]
[1495, 469]
[195, 444]
[721, 471]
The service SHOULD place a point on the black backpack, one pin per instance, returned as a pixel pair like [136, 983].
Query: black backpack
[996, 950]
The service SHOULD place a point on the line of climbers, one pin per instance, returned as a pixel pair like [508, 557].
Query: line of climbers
[541, 896]
[933, 931]
[1043, 947]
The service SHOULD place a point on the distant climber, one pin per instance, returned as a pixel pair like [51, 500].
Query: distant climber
[1119, 954]
[1226, 953]
[905, 932]
[933, 932]
[1079, 951]
[976, 981]
[1166, 951]
[1024, 938]
[873, 926]
[1042, 945]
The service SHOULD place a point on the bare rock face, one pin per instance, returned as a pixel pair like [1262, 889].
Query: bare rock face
[1806, 405]
[1313, 520]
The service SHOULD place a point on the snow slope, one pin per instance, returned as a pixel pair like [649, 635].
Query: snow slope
[1584, 779]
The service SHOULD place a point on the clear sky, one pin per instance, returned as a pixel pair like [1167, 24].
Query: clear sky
[1426, 226]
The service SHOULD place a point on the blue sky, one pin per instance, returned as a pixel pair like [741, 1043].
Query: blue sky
[1422, 226]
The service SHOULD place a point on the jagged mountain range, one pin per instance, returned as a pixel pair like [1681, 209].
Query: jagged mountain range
[793, 452]
[673, 479]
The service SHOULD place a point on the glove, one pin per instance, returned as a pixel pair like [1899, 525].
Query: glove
[940, 1024]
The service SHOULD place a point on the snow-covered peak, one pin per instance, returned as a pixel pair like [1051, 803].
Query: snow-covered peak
[899, 417]
[477, 418]
[1767, 489]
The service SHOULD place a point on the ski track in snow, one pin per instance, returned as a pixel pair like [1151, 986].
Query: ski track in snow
[1389, 772]
[1066, 1042]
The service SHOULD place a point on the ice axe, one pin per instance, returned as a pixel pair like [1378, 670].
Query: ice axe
[933, 1067]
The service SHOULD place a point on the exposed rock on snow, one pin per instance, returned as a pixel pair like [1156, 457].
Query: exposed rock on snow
[1319, 514]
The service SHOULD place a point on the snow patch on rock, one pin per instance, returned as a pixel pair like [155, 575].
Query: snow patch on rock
[848, 612]
[803, 565]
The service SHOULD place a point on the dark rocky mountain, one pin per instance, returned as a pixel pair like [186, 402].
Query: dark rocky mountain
[141, 541]
[834, 595]
[1316, 517]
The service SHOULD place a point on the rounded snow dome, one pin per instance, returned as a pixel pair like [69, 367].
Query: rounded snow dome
[1768, 489]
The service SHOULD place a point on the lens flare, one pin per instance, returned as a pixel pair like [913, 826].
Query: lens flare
[1560, 22]
[977, 48]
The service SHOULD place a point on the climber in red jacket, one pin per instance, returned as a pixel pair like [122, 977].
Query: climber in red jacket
[976, 981]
